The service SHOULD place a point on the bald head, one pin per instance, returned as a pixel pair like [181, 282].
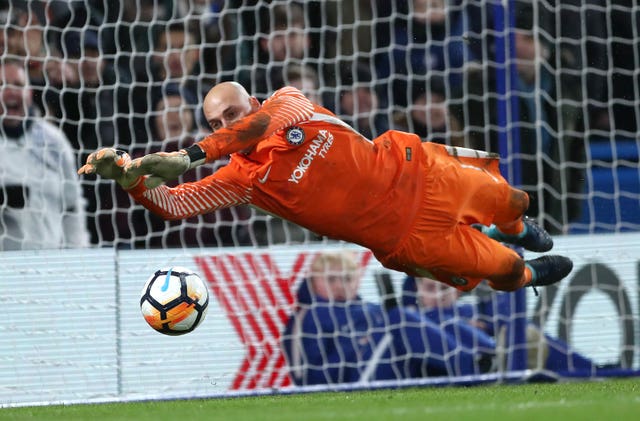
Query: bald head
[226, 103]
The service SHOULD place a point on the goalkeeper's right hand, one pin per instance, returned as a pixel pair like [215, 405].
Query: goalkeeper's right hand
[111, 164]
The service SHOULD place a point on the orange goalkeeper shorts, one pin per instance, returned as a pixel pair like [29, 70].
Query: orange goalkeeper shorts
[442, 244]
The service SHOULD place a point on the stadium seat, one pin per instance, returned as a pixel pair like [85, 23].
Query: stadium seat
[614, 177]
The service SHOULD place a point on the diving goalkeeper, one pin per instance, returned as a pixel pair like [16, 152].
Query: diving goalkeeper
[416, 205]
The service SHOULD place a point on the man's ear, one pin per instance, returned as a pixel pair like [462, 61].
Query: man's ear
[255, 103]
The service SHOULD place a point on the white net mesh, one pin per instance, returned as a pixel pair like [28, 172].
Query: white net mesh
[553, 87]
[558, 98]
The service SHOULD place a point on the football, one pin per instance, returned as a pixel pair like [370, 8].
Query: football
[174, 301]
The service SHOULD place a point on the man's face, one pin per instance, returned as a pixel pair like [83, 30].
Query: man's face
[172, 118]
[91, 66]
[308, 87]
[360, 102]
[336, 282]
[430, 110]
[15, 95]
[23, 35]
[434, 294]
[286, 43]
[226, 105]
[528, 51]
[174, 54]
[429, 11]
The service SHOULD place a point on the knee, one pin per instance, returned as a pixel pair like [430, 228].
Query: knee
[512, 279]
[519, 200]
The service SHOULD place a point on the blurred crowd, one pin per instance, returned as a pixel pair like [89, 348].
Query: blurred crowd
[132, 75]
[336, 336]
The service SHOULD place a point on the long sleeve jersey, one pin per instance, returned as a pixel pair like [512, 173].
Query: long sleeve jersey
[41, 202]
[307, 166]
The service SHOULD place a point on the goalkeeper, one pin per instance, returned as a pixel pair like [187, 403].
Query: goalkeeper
[415, 205]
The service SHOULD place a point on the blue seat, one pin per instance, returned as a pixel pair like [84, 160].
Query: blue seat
[622, 149]
[613, 190]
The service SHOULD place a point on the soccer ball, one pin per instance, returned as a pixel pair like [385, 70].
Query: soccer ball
[174, 301]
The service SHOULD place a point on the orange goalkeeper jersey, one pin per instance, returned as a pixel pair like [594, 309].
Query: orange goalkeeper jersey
[409, 202]
[309, 167]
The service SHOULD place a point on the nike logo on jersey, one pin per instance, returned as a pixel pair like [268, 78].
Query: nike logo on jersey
[263, 179]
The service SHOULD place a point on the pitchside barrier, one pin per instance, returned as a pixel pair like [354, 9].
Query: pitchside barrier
[72, 330]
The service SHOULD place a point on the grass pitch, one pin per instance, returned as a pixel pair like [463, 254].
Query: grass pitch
[611, 399]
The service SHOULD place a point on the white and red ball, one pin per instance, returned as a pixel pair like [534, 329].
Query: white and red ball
[174, 300]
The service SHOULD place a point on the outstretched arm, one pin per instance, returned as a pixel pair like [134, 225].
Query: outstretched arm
[185, 200]
[114, 164]
[189, 199]
[288, 106]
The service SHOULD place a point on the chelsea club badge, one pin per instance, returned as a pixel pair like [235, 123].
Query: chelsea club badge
[295, 135]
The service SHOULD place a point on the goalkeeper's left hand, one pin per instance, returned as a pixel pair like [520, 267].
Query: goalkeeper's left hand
[160, 167]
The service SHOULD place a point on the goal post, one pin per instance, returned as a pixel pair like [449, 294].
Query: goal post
[507, 110]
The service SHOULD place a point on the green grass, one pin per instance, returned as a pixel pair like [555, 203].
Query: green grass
[612, 399]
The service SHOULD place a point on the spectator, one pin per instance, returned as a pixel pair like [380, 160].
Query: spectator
[421, 37]
[172, 61]
[199, 15]
[580, 58]
[621, 40]
[129, 32]
[551, 149]
[174, 53]
[282, 40]
[563, 170]
[306, 79]
[133, 22]
[429, 115]
[172, 118]
[22, 38]
[41, 203]
[215, 32]
[439, 303]
[359, 104]
[336, 337]
[578, 54]
[86, 113]
[172, 124]
[356, 23]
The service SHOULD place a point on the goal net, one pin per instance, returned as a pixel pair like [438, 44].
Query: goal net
[553, 87]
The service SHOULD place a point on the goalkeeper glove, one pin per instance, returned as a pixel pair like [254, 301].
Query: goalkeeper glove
[165, 166]
[160, 167]
[111, 164]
